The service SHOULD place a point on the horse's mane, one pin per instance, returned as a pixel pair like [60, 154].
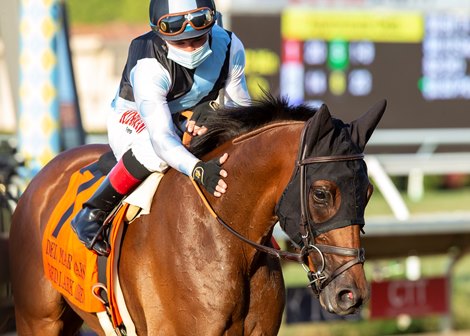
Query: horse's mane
[228, 123]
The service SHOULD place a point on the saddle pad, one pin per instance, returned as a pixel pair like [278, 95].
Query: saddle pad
[68, 264]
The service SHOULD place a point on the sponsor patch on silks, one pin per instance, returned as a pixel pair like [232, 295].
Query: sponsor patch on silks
[132, 119]
[68, 264]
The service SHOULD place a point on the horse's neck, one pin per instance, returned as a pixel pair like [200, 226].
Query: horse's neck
[260, 166]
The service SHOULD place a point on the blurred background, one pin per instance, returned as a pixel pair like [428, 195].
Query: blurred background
[61, 62]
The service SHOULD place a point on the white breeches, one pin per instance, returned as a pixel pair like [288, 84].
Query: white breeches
[126, 130]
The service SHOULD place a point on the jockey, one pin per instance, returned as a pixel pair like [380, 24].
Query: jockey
[181, 64]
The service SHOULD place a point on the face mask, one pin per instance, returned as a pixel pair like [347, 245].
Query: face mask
[189, 59]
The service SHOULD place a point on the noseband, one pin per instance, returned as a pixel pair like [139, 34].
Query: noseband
[319, 279]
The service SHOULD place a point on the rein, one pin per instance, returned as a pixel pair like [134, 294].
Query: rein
[285, 255]
[319, 279]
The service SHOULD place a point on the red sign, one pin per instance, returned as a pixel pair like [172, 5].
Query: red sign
[415, 298]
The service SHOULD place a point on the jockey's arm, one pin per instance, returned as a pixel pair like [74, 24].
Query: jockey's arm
[151, 83]
[236, 90]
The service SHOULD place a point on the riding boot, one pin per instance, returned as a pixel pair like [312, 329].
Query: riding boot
[90, 218]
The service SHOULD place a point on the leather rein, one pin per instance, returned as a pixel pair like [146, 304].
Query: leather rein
[319, 279]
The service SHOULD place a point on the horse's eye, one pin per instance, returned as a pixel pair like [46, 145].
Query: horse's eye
[324, 199]
[320, 195]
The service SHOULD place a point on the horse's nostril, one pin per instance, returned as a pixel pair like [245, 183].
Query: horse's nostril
[349, 300]
[346, 296]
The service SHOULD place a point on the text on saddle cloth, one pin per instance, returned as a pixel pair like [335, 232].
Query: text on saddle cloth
[68, 264]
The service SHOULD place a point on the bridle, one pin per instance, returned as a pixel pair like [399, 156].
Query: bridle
[319, 279]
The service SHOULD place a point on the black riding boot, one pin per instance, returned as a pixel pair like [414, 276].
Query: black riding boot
[90, 218]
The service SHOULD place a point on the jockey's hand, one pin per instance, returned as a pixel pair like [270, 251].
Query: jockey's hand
[200, 112]
[209, 175]
[194, 130]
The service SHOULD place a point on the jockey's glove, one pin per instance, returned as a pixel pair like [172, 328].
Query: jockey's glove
[202, 111]
[207, 174]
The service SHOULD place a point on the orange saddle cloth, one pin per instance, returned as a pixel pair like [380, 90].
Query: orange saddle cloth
[68, 264]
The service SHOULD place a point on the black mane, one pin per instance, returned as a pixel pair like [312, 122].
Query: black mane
[229, 123]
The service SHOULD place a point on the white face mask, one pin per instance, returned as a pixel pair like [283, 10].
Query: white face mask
[189, 59]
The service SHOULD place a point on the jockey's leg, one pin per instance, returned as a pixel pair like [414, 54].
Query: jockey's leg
[123, 179]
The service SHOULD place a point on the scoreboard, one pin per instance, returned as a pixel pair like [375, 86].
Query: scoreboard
[418, 61]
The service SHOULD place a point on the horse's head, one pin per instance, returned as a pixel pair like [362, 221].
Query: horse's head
[331, 179]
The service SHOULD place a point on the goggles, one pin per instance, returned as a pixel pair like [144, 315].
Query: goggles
[175, 23]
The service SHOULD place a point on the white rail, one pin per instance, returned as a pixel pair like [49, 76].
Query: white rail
[425, 161]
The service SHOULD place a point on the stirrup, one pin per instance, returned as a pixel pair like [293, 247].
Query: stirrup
[98, 234]
[103, 227]
[100, 247]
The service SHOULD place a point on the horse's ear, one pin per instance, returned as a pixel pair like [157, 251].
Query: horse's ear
[321, 122]
[362, 128]
[320, 125]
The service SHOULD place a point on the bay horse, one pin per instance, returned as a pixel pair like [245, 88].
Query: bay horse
[182, 273]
